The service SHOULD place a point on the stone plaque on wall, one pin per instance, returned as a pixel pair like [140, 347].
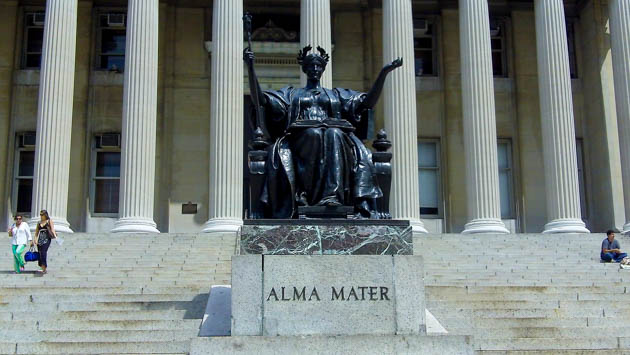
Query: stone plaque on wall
[327, 295]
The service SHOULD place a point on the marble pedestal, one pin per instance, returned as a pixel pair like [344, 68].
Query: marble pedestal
[326, 237]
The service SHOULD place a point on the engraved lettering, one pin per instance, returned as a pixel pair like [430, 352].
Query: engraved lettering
[299, 295]
[283, 298]
[314, 293]
[362, 288]
[353, 293]
[372, 293]
[336, 296]
[272, 293]
[384, 291]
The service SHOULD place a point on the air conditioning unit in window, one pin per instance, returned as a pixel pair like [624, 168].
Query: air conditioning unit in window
[108, 140]
[420, 27]
[116, 20]
[495, 27]
[27, 140]
[38, 18]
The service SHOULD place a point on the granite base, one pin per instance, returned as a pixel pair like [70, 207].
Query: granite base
[279, 295]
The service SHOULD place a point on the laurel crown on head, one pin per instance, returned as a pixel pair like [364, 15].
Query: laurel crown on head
[303, 54]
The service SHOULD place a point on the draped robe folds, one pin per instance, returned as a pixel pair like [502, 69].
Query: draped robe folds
[315, 158]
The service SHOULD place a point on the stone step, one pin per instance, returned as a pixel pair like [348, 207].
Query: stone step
[38, 298]
[144, 347]
[465, 290]
[543, 332]
[101, 316]
[619, 304]
[93, 289]
[554, 352]
[95, 325]
[550, 343]
[192, 306]
[99, 336]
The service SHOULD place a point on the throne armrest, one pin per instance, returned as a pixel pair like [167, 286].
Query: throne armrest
[257, 158]
[382, 163]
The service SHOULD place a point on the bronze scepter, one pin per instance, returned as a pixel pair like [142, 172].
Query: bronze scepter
[247, 24]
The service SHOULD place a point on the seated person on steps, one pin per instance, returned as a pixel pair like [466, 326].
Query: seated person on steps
[611, 250]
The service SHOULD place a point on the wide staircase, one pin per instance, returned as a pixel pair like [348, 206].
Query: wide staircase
[528, 293]
[126, 294]
[117, 294]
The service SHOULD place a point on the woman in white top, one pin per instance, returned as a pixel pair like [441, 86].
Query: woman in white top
[21, 235]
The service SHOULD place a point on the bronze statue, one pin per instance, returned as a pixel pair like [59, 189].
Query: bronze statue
[314, 158]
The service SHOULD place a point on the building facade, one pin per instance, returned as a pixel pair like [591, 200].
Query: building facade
[131, 115]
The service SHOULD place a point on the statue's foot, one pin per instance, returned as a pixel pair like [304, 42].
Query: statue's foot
[365, 209]
[330, 201]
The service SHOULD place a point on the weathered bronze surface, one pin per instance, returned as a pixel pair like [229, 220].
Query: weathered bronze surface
[306, 143]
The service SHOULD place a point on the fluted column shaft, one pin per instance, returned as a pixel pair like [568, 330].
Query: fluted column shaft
[54, 113]
[315, 31]
[139, 119]
[400, 111]
[480, 133]
[619, 11]
[556, 111]
[226, 118]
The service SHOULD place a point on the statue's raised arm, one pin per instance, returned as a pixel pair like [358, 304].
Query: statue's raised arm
[375, 92]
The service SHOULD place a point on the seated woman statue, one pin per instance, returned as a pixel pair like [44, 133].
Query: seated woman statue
[315, 158]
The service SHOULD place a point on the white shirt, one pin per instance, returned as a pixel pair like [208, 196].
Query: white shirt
[21, 234]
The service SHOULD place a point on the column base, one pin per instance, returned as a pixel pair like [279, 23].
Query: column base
[417, 226]
[568, 225]
[61, 224]
[486, 225]
[626, 228]
[223, 225]
[134, 225]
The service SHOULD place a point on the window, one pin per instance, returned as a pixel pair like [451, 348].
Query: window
[105, 174]
[571, 47]
[497, 43]
[111, 41]
[23, 173]
[33, 40]
[429, 177]
[579, 150]
[424, 44]
[504, 155]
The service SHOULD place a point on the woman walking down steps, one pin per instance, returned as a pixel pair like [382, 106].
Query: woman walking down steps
[44, 233]
[21, 236]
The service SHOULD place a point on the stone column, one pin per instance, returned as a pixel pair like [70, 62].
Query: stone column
[619, 12]
[137, 174]
[480, 133]
[556, 113]
[400, 112]
[54, 113]
[315, 31]
[226, 118]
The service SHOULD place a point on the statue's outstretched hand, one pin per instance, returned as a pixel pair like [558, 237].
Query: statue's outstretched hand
[393, 65]
[248, 56]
